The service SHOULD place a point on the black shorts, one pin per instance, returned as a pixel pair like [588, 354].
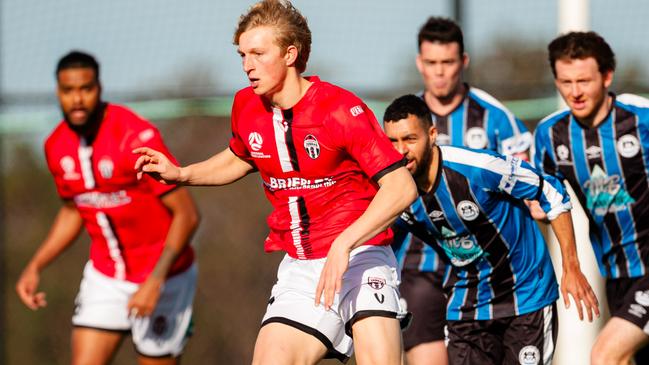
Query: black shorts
[425, 299]
[525, 339]
[628, 298]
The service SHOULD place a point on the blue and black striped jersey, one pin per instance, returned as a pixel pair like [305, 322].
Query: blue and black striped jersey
[480, 121]
[476, 217]
[608, 167]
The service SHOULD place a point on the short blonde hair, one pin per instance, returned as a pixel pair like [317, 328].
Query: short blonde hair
[290, 26]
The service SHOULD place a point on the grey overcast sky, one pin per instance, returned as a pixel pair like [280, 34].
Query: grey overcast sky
[365, 45]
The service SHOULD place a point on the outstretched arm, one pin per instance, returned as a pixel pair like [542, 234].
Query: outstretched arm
[64, 230]
[573, 281]
[184, 222]
[397, 191]
[223, 168]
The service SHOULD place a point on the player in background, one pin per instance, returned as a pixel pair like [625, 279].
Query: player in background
[600, 145]
[136, 280]
[335, 183]
[501, 286]
[463, 116]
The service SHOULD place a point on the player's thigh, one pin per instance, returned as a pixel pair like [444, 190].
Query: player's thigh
[91, 346]
[292, 304]
[617, 342]
[475, 342]
[278, 343]
[628, 329]
[428, 353]
[424, 297]
[377, 340]
[531, 338]
[166, 331]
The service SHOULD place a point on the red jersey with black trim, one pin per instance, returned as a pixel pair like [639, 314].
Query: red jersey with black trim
[125, 217]
[319, 162]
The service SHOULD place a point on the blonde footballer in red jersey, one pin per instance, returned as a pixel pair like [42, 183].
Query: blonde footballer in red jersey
[335, 183]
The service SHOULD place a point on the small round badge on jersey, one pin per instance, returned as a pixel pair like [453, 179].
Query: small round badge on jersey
[468, 210]
[311, 146]
[529, 355]
[628, 146]
[476, 137]
[106, 168]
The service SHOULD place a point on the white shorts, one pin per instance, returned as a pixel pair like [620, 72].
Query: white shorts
[102, 300]
[370, 288]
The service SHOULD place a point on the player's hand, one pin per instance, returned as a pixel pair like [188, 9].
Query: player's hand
[145, 299]
[331, 277]
[536, 211]
[574, 282]
[26, 287]
[157, 165]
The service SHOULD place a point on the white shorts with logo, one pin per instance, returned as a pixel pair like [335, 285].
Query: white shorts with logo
[102, 300]
[370, 288]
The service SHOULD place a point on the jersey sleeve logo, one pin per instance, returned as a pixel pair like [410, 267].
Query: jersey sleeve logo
[146, 135]
[255, 141]
[68, 166]
[356, 110]
[311, 146]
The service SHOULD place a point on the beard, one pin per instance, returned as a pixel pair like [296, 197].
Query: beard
[91, 126]
[424, 165]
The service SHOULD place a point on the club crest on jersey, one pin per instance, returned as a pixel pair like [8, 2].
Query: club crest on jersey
[106, 167]
[356, 110]
[529, 355]
[376, 283]
[255, 141]
[563, 153]
[628, 145]
[468, 210]
[311, 146]
[476, 137]
[68, 166]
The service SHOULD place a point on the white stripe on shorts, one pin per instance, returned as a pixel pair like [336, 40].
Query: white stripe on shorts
[548, 343]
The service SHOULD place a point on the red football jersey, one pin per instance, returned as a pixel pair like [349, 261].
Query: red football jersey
[319, 162]
[125, 218]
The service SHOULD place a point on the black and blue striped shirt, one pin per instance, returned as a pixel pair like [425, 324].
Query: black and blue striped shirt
[608, 167]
